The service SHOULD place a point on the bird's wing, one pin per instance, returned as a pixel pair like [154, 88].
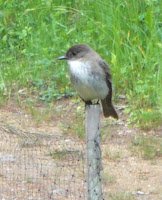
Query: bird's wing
[106, 69]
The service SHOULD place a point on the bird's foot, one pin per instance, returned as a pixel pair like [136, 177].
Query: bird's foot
[88, 102]
[98, 101]
[91, 103]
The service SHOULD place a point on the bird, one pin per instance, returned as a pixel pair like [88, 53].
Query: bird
[91, 77]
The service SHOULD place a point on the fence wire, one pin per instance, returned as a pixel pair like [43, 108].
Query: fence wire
[36, 166]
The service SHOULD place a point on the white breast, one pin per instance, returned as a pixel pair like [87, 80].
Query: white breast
[80, 70]
[89, 85]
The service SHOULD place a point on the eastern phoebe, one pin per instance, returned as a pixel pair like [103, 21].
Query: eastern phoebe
[90, 76]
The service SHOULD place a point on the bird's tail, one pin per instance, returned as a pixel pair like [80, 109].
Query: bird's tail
[108, 109]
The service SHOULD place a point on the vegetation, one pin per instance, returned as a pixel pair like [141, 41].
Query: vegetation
[126, 33]
[121, 196]
[108, 178]
[147, 146]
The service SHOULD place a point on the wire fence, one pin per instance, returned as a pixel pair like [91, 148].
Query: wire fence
[36, 166]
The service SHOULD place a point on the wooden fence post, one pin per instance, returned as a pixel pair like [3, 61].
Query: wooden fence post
[93, 153]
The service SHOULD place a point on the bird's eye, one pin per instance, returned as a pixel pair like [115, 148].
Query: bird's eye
[74, 53]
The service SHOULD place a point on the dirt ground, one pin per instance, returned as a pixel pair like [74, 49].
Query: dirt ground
[41, 157]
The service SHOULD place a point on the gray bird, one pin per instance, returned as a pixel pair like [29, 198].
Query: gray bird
[91, 77]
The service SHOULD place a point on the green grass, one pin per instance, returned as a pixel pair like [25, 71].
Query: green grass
[126, 33]
[145, 118]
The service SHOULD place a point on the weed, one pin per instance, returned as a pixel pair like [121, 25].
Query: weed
[78, 126]
[149, 147]
[121, 196]
[111, 156]
[28, 180]
[108, 178]
[63, 154]
[60, 155]
[39, 113]
[146, 119]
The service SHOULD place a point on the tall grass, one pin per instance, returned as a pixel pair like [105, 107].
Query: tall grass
[126, 33]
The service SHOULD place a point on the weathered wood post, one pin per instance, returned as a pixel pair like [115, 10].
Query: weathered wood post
[93, 153]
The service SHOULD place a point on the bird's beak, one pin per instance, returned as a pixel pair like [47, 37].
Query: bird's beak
[62, 58]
